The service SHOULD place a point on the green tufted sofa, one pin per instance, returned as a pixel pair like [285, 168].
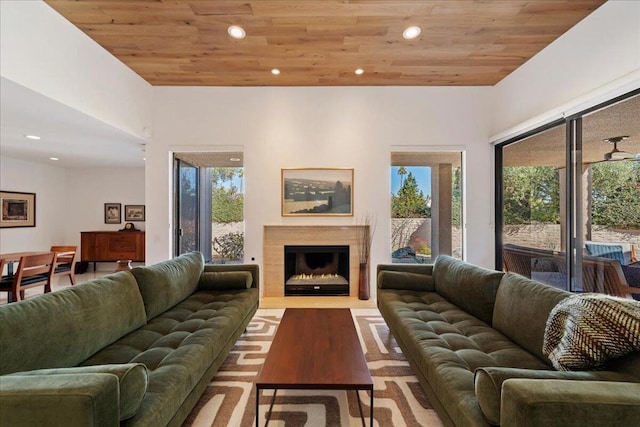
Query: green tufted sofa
[132, 348]
[474, 339]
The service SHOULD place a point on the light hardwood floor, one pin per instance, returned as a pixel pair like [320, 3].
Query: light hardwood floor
[316, 302]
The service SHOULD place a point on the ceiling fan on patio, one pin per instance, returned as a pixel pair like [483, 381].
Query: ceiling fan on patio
[616, 154]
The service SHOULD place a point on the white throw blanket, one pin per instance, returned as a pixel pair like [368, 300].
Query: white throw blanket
[584, 331]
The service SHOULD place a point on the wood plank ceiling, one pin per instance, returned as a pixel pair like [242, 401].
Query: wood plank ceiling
[322, 43]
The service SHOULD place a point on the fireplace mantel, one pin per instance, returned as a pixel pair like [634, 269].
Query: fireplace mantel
[276, 237]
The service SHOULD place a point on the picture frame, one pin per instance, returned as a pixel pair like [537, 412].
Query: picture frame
[317, 192]
[134, 213]
[18, 209]
[112, 213]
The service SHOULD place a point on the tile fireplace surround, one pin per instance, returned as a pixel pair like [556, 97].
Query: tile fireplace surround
[276, 237]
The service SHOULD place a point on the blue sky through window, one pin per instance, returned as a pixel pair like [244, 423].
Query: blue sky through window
[421, 173]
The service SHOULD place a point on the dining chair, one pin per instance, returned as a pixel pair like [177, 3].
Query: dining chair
[33, 270]
[65, 262]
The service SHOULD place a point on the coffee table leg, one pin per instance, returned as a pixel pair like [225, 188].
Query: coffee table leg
[371, 410]
[360, 407]
[257, 406]
[273, 399]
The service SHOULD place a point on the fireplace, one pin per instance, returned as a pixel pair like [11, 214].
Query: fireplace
[316, 270]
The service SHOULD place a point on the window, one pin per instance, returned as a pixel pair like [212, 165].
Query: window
[209, 205]
[426, 206]
[568, 200]
[533, 225]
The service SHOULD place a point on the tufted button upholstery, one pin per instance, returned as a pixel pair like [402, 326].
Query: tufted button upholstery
[448, 344]
[181, 343]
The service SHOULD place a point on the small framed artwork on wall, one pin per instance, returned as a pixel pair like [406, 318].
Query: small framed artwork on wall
[112, 213]
[134, 212]
[18, 209]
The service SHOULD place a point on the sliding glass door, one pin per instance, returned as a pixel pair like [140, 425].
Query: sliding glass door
[533, 188]
[186, 207]
[568, 200]
[609, 213]
[209, 205]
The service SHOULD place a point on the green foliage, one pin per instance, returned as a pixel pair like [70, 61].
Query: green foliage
[424, 249]
[227, 202]
[230, 246]
[402, 171]
[531, 194]
[616, 194]
[227, 205]
[456, 195]
[410, 202]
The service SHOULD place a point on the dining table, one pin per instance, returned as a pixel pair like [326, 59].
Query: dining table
[13, 257]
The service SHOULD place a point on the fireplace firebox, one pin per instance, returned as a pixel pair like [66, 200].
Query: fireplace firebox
[316, 270]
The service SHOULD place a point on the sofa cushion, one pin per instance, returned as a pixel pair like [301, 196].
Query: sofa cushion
[179, 346]
[165, 284]
[488, 384]
[402, 280]
[521, 311]
[225, 280]
[471, 288]
[132, 382]
[65, 327]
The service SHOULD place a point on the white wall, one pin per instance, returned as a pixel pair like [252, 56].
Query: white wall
[594, 61]
[44, 52]
[68, 201]
[320, 127]
[89, 189]
[49, 184]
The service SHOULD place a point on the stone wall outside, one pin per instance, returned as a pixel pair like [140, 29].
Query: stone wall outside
[547, 236]
[543, 236]
[403, 229]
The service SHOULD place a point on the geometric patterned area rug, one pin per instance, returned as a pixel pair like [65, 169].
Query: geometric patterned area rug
[229, 400]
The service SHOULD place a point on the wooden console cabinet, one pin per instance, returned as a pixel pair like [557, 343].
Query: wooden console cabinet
[105, 246]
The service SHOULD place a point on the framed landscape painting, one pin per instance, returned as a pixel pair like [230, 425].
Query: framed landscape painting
[317, 192]
[18, 209]
[134, 212]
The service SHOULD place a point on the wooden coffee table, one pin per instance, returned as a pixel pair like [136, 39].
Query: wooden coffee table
[316, 349]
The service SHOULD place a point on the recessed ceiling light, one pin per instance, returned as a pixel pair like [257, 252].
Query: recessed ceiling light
[236, 32]
[275, 71]
[32, 136]
[234, 159]
[359, 71]
[144, 158]
[411, 32]
[53, 158]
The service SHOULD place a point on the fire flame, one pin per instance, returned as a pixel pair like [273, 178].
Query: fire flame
[314, 276]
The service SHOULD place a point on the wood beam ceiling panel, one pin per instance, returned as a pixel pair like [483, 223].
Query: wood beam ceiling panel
[463, 42]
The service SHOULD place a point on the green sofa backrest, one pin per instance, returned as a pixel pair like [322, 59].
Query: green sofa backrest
[468, 286]
[64, 328]
[168, 283]
[521, 311]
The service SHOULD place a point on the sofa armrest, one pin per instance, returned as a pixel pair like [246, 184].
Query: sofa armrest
[251, 268]
[405, 277]
[407, 268]
[82, 400]
[568, 403]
